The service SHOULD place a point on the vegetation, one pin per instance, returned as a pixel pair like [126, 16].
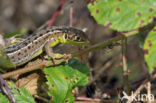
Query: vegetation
[128, 18]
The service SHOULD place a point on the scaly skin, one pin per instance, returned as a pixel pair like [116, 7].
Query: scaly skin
[34, 45]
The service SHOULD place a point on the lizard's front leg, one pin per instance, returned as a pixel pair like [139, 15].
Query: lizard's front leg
[55, 56]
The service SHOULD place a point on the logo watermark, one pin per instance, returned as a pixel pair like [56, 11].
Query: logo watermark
[139, 97]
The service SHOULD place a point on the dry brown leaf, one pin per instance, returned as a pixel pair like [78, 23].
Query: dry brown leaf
[30, 83]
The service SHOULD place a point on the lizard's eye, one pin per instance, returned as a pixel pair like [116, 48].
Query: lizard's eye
[77, 38]
[66, 36]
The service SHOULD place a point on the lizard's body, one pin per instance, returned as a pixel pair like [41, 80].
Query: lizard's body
[35, 44]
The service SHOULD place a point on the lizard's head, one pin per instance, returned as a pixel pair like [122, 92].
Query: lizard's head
[75, 36]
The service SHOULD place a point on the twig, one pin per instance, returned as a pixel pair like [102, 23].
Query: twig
[149, 91]
[38, 64]
[125, 68]
[94, 100]
[99, 74]
[138, 81]
[141, 87]
[71, 14]
[56, 13]
[41, 98]
[6, 90]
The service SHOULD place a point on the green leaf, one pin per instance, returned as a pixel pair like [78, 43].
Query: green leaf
[5, 62]
[21, 94]
[82, 69]
[3, 99]
[62, 79]
[123, 15]
[150, 50]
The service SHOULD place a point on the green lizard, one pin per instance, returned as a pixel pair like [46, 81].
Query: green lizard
[34, 45]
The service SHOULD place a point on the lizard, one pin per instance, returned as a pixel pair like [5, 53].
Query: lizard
[34, 45]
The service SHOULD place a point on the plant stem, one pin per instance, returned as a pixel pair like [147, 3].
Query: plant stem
[6, 90]
[142, 86]
[37, 64]
[56, 13]
[71, 14]
[149, 91]
[125, 67]
[104, 44]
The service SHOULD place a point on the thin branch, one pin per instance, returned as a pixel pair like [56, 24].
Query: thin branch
[125, 67]
[38, 64]
[90, 100]
[149, 91]
[102, 70]
[134, 83]
[141, 87]
[42, 98]
[6, 90]
[71, 14]
[56, 13]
